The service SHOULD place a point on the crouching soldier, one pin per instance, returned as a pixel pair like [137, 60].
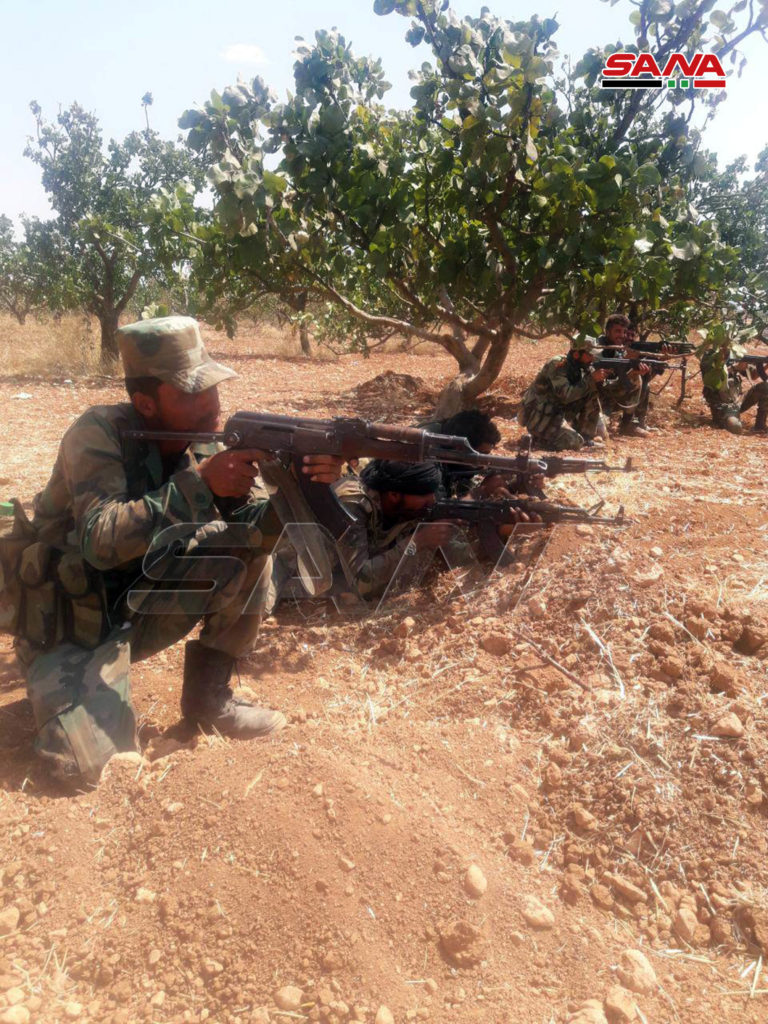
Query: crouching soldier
[721, 389]
[103, 582]
[561, 408]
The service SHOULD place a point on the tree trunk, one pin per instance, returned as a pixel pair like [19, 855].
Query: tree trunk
[110, 354]
[304, 339]
[464, 390]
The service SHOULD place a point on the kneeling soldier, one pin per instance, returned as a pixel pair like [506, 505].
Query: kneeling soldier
[101, 587]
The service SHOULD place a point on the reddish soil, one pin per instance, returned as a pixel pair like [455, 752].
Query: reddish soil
[564, 736]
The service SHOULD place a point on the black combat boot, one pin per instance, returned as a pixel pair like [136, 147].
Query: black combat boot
[207, 698]
[760, 418]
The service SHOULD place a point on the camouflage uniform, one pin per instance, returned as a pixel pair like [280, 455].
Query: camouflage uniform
[103, 507]
[721, 392]
[561, 408]
[373, 549]
[757, 395]
[621, 393]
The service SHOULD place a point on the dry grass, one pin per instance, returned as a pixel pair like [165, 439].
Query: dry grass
[71, 346]
[67, 348]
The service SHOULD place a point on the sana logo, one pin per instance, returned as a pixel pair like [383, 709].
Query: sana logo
[641, 71]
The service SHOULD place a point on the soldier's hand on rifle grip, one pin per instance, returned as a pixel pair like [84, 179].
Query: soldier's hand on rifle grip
[433, 535]
[600, 375]
[231, 473]
[323, 469]
[493, 486]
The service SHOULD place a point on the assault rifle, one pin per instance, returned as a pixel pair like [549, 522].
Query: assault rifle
[488, 516]
[622, 366]
[556, 465]
[759, 364]
[291, 438]
[674, 348]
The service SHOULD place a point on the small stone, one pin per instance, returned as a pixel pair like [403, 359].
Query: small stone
[260, 1015]
[537, 915]
[384, 1016]
[73, 1010]
[753, 637]
[475, 881]
[158, 999]
[656, 552]
[405, 628]
[346, 864]
[584, 819]
[590, 1012]
[602, 896]
[625, 888]
[288, 998]
[685, 925]
[521, 851]
[15, 995]
[620, 1006]
[154, 957]
[636, 974]
[9, 920]
[729, 725]
[553, 777]
[145, 896]
[496, 644]
[462, 943]
[211, 968]
[584, 531]
[15, 1015]
[672, 667]
[173, 808]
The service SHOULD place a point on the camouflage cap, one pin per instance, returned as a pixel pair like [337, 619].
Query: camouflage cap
[585, 344]
[171, 349]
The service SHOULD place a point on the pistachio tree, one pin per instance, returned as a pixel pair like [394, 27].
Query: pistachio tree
[513, 196]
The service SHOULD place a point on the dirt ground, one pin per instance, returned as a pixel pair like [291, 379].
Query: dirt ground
[541, 798]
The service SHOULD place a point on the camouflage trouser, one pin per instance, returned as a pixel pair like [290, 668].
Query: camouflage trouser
[561, 427]
[621, 395]
[723, 402]
[641, 410]
[757, 395]
[81, 698]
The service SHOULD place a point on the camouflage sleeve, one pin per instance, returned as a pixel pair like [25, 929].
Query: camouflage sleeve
[567, 392]
[112, 528]
[257, 511]
[370, 570]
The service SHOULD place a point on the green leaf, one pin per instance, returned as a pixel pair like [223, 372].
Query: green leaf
[687, 251]
[644, 244]
[647, 176]
[275, 182]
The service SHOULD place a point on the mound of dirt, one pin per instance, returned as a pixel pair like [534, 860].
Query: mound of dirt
[390, 395]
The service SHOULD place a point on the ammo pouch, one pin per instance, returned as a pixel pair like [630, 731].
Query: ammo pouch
[48, 596]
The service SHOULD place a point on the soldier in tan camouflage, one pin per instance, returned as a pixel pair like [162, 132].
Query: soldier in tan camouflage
[561, 408]
[116, 567]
